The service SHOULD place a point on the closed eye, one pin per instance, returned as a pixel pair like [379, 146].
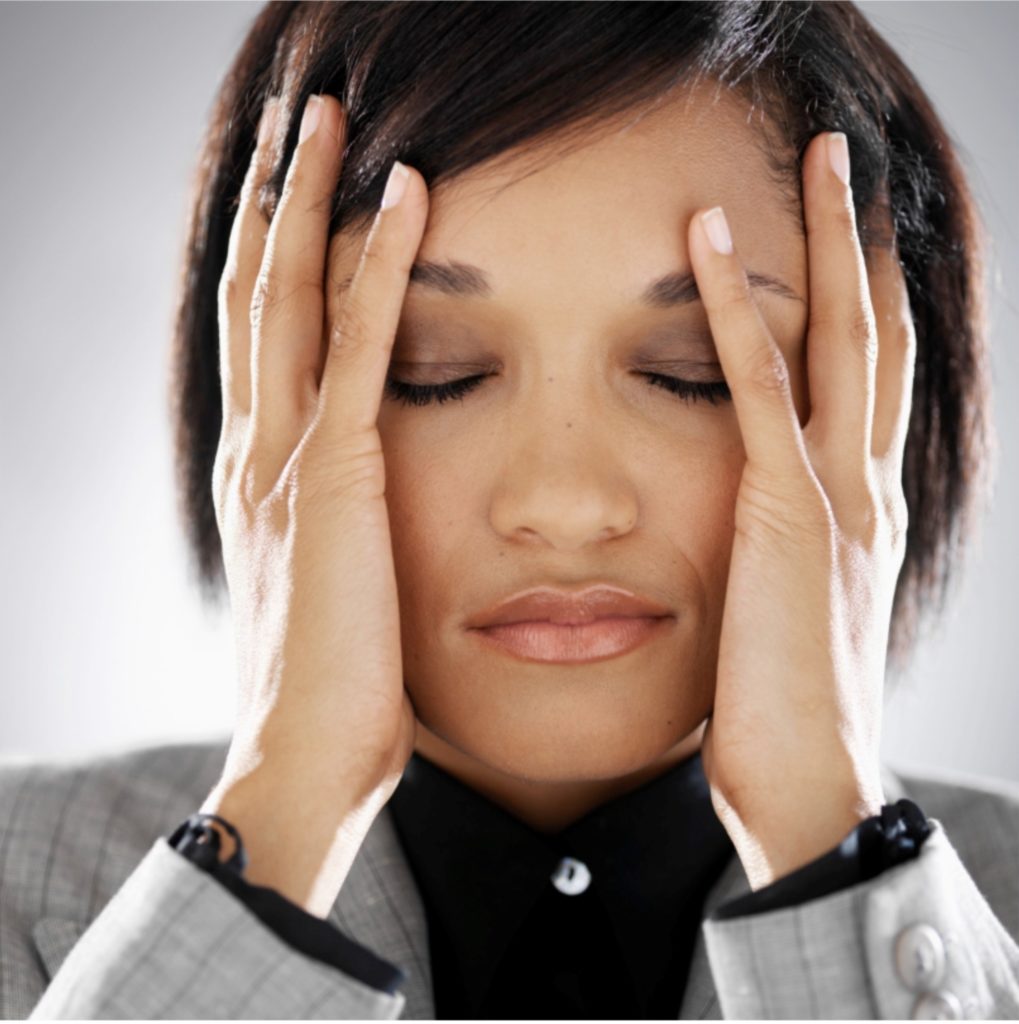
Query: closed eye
[692, 390]
[424, 394]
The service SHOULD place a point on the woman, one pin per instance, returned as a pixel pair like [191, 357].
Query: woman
[562, 699]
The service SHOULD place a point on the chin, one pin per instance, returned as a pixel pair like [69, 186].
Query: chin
[574, 759]
[566, 747]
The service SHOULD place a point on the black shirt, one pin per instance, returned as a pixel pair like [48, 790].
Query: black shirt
[597, 921]
[506, 942]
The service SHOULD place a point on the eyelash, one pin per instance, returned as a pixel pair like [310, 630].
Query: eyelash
[425, 394]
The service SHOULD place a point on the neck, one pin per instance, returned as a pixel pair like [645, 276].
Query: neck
[547, 807]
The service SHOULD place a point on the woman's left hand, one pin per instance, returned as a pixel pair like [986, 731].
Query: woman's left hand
[792, 746]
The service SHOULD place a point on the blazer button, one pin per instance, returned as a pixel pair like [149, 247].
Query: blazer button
[940, 1005]
[920, 957]
[571, 876]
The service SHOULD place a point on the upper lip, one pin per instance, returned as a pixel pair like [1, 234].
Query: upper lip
[568, 606]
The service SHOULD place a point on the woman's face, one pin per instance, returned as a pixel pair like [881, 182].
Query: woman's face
[566, 466]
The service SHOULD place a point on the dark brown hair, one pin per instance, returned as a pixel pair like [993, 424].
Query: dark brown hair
[446, 86]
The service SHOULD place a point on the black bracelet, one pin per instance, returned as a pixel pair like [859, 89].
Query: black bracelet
[198, 837]
[888, 838]
[891, 837]
[314, 936]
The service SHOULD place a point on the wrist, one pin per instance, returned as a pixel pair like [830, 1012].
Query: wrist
[301, 848]
[773, 850]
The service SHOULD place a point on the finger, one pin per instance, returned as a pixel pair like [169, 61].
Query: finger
[842, 343]
[361, 340]
[288, 307]
[754, 366]
[896, 362]
[244, 254]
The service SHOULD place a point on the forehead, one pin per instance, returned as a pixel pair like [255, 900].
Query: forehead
[602, 212]
[629, 183]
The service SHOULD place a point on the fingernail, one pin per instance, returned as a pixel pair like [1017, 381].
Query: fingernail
[717, 229]
[838, 155]
[396, 185]
[311, 117]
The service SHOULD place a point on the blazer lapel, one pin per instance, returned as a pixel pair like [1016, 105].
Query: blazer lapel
[380, 906]
[54, 938]
[700, 1000]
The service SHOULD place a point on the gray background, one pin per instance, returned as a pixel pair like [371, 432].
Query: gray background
[105, 643]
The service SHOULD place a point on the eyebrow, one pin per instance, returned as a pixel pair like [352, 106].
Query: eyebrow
[464, 280]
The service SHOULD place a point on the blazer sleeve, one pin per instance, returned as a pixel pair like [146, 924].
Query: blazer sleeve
[918, 940]
[174, 942]
[312, 935]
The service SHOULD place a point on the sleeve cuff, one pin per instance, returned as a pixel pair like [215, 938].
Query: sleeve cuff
[307, 933]
[878, 843]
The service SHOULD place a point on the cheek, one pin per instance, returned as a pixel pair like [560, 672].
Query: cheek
[696, 501]
[413, 500]
[431, 497]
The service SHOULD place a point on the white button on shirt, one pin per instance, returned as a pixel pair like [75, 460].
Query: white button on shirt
[571, 876]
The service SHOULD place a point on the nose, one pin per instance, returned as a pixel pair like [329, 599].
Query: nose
[563, 485]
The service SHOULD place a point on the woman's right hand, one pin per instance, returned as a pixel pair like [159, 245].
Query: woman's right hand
[324, 726]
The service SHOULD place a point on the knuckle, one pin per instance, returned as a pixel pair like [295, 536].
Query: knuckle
[302, 187]
[862, 334]
[897, 515]
[871, 519]
[857, 328]
[354, 318]
[235, 489]
[222, 471]
[766, 371]
[247, 487]
[221, 475]
[868, 523]
[780, 512]
[264, 295]
[273, 294]
[348, 466]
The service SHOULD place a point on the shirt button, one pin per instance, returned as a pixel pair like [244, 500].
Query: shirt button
[941, 1005]
[571, 876]
[920, 957]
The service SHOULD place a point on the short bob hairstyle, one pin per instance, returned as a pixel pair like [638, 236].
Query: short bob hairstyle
[447, 86]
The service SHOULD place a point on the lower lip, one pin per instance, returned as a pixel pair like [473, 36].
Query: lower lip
[593, 641]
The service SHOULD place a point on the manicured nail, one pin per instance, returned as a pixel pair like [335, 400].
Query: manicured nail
[396, 185]
[838, 155]
[717, 229]
[311, 117]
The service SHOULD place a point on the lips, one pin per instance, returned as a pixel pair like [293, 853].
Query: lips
[569, 607]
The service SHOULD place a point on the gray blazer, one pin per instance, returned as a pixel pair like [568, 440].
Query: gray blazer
[100, 918]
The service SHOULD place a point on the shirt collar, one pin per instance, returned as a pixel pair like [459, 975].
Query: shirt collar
[654, 853]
